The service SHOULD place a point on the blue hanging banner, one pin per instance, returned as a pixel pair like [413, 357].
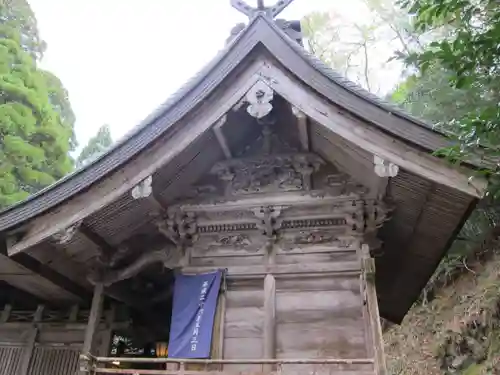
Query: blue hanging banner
[193, 313]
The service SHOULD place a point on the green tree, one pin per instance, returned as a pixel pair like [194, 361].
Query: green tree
[59, 100]
[35, 139]
[95, 146]
[363, 48]
[18, 15]
[471, 59]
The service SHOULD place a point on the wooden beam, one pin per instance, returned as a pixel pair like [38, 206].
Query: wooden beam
[373, 312]
[129, 298]
[220, 137]
[283, 270]
[105, 248]
[30, 275]
[29, 345]
[269, 334]
[123, 180]
[302, 127]
[366, 137]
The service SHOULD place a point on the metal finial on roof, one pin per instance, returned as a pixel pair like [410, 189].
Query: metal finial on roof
[271, 11]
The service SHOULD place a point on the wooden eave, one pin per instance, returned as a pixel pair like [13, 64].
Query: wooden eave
[178, 124]
[303, 65]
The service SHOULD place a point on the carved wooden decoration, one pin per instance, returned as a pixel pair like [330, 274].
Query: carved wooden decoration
[276, 173]
[64, 236]
[384, 168]
[144, 189]
[259, 100]
[169, 256]
[271, 11]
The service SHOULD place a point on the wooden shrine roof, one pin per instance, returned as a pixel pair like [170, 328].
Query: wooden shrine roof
[430, 208]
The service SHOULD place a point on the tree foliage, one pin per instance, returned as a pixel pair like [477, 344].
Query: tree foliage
[95, 146]
[470, 58]
[363, 48]
[36, 132]
[18, 15]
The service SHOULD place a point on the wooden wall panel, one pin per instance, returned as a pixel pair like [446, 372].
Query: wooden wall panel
[12, 336]
[10, 357]
[319, 317]
[54, 361]
[243, 326]
[61, 336]
[312, 257]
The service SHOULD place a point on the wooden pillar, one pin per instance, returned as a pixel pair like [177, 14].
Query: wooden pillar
[73, 313]
[374, 315]
[269, 335]
[29, 346]
[5, 313]
[93, 323]
[107, 335]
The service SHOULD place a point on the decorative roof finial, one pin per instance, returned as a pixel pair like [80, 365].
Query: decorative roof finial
[250, 12]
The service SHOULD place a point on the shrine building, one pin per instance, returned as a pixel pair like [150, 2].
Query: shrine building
[259, 221]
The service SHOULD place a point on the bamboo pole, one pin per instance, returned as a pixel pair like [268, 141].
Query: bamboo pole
[319, 361]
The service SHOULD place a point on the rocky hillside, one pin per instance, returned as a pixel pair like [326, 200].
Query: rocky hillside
[458, 332]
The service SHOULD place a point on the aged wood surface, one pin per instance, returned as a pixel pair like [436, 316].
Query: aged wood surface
[25, 279]
[172, 372]
[261, 31]
[243, 326]
[10, 358]
[269, 336]
[147, 163]
[285, 269]
[94, 318]
[375, 142]
[29, 344]
[54, 360]
[349, 128]
[373, 311]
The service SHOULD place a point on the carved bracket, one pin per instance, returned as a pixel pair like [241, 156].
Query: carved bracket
[64, 236]
[268, 220]
[298, 113]
[143, 189]
[179, 227]
[341, 184]
[259, 100]
[170, 257]
[376, 214]
[384, 168]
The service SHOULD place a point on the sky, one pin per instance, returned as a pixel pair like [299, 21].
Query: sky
[119, 59]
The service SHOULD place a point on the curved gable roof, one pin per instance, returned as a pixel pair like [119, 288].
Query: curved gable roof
[261, 30]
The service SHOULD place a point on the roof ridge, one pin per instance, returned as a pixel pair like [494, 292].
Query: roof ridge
[350, 85]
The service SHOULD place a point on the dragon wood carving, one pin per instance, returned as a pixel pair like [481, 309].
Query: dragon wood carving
[169, 256]
[276, 173]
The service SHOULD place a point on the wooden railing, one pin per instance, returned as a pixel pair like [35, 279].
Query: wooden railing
[97, 365]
